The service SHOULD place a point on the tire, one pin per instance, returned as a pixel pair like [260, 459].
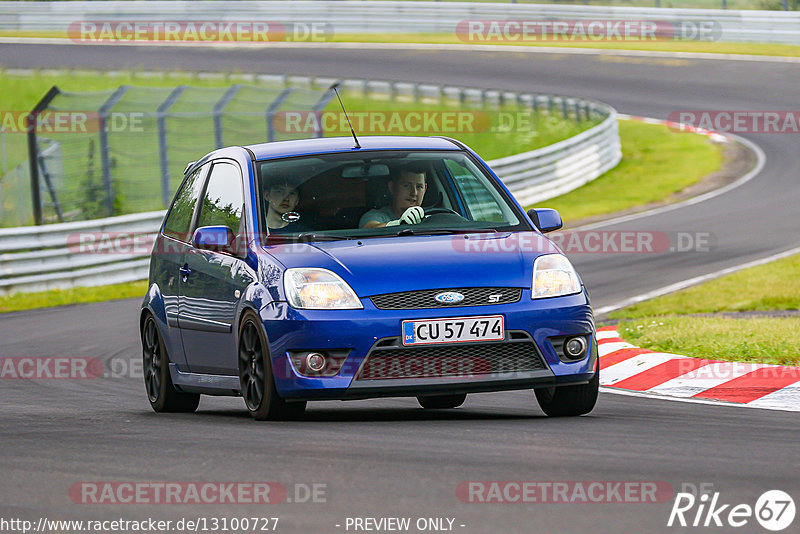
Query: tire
[255, 376]
[570, 401]
[441, 402]
[161, 392]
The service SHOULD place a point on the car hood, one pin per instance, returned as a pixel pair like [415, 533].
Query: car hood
[395, 264]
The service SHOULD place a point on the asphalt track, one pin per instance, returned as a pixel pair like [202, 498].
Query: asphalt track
[387, 457]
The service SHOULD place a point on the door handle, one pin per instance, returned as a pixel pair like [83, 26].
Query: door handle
[185, 271]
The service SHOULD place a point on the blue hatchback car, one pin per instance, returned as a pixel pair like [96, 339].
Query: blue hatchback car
[322, 269]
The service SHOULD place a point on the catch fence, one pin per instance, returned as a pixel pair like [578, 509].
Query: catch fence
[100, 154]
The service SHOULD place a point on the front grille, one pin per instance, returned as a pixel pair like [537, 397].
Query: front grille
[388, 359]
[421, 299]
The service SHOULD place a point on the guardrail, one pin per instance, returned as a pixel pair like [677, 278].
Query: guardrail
[359, 16]
[557, 169]
[38, 258]
[116, 249]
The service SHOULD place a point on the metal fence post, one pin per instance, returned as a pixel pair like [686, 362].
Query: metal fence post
[105, 158]
[33, 151]
[33, 161]
[3, 149]
[272, 109]
[20, 195]
[2, 204]
[50, 189]
[161, 120]
[218, 107]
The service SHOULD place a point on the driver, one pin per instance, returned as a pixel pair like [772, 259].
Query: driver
[282, 198]
[408, 188]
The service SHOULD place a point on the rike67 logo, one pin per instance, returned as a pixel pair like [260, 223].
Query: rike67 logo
[774, 510]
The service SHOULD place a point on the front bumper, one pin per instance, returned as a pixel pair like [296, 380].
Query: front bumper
[358, 332]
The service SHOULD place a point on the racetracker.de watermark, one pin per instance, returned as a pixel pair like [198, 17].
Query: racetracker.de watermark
[591, 242]
[52, 367]
[420, 367]
[395, 122]
[68, 368]
[566, 491]
[106, 31]
[195, 492]
[692, 368]
[70, 122]
[588, 30]
[571, 242]
[736, 121]
[382, 122]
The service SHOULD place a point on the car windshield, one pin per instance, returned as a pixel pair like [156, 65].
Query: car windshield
[366, 194]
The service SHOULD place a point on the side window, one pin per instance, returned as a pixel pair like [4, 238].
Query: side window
[180, 217]
[479, 199]
[222, 204]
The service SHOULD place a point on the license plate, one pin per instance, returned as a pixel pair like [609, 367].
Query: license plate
[454, 330]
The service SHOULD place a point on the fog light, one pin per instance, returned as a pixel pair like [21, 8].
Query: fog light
[315, 362]
[575, 347]
[319, 363]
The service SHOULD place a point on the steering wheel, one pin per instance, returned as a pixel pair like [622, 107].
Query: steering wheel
[438, 211]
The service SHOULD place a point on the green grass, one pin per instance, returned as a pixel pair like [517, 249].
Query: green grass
[61, 297]
[772, 286]
[656, 162]
[682, 4]
[708, 47]
[763, 340]
[661, 324]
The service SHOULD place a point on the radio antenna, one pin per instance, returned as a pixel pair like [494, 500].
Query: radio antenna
[335, 88]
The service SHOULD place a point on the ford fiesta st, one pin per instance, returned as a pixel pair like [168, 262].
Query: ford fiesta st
[325, 269]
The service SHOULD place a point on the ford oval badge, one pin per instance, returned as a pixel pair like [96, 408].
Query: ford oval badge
[449, 297]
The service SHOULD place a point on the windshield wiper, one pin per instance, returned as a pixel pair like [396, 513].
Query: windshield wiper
[305, 237]
[308, 237]
[445, 231]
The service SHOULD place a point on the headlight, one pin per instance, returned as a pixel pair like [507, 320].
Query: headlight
[553, 276]
[318, 289]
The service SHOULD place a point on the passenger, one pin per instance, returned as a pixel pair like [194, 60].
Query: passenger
[282, 198]
[407, 188]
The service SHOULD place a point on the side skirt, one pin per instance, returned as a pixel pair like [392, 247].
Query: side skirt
[205, 384]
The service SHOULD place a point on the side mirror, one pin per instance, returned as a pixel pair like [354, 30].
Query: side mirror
[215, 238]
[545, 219]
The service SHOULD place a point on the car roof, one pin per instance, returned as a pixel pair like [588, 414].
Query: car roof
[321, 145]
